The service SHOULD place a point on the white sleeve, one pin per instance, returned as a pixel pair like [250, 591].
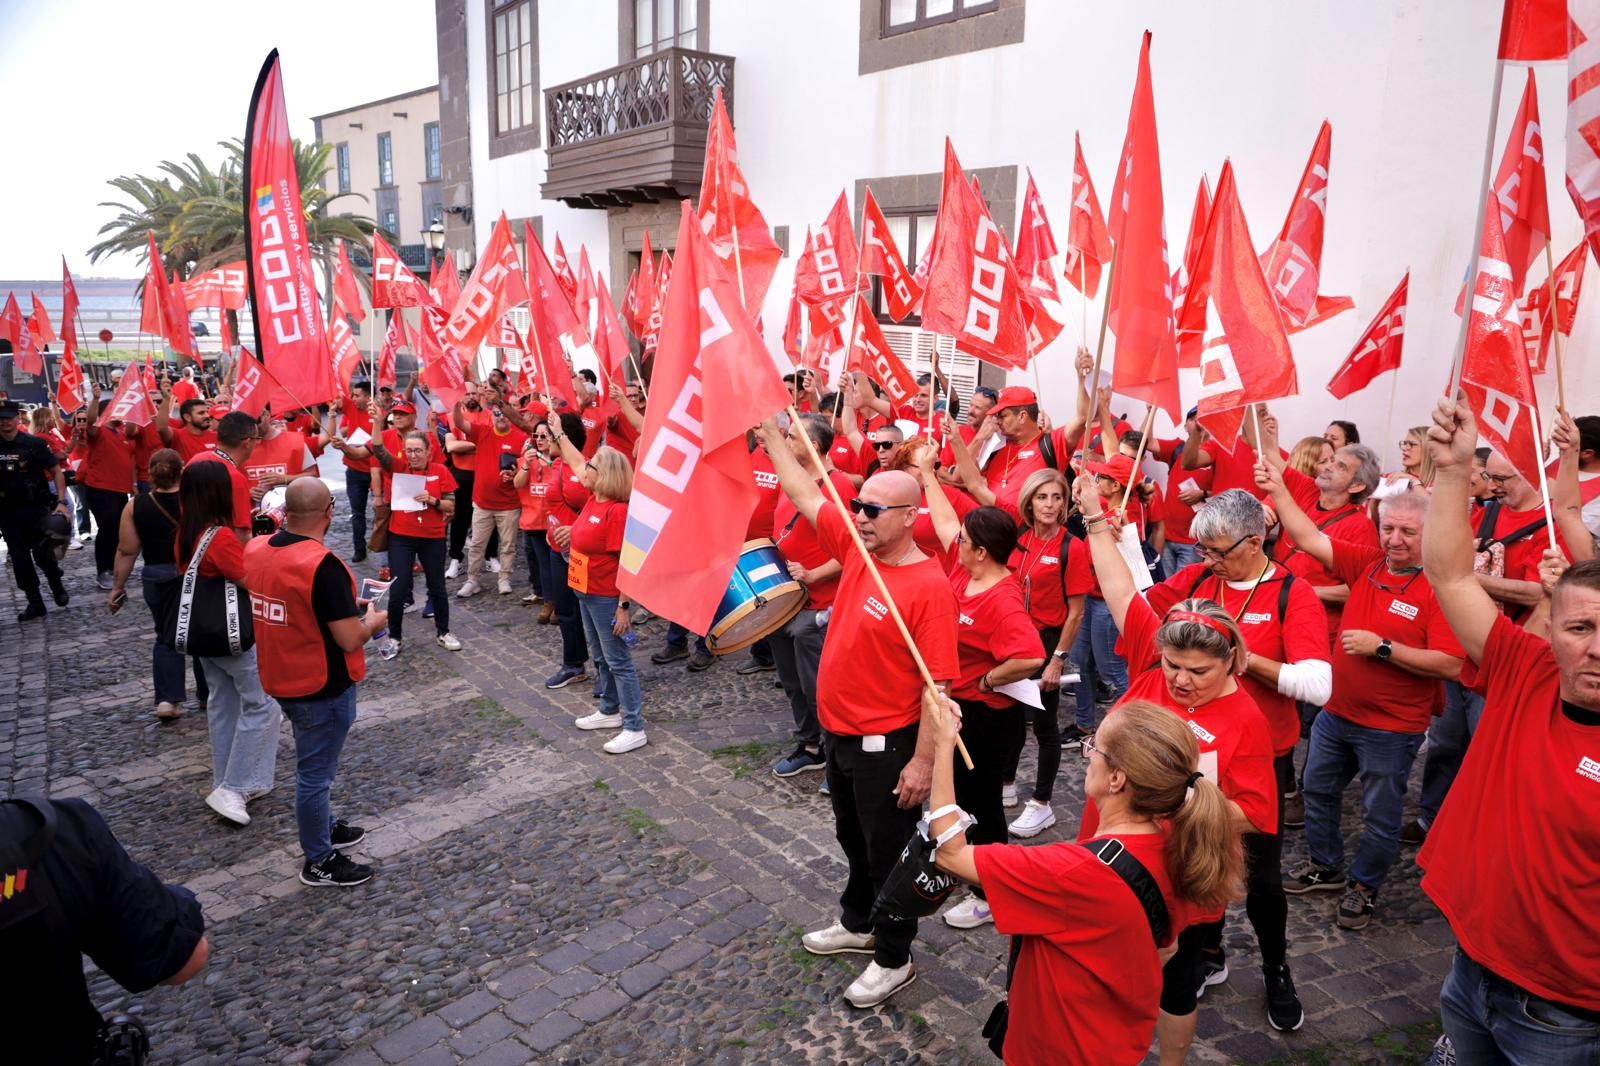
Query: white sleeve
[1309, 680]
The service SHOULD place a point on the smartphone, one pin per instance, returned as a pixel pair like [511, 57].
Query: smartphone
[118, 600]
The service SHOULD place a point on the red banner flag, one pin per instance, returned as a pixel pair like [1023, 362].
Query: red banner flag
[1519, 189]
[827, 270]
[26, 355]
[583, 301]
[1533, 30]
[1494, 368]
[495, 287]
[694, 487]
[646, 320]
[1294, 261]
[291, 337]
[39, 323]
[1191, 271]
[342, 349]
[870, 352]
[554, 325]
[880, 255]
[444, 283]
[345, 287]
[441, 362]
[152, 312]
[11, 321]
[1583, 116]
[793, 327]
[1252, 362]
[225, 287]
[251, 387]
[1036, 246]
[130, 403]
[1537, 327]
[225, 334]
[393, 283]
[563, 269]
[69, 381]
[394, 338]
[739, 234]
[69, 308]
[1146, 366]
[1088, 242]
[1378, 349]
[974, 293]
[610, 346]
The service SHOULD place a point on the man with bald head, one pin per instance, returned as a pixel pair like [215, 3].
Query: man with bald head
[310, 639]
[869, 701]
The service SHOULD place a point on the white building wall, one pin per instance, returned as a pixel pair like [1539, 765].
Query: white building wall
[1406, 85]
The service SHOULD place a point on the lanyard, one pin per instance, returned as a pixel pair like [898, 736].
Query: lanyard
[1222, 587]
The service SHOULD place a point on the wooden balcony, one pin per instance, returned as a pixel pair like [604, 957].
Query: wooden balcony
[635, 133]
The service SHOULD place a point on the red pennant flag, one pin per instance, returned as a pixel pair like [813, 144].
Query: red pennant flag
[152, 318]
[1537, 327]
[1294, 262]
[630, 303]
[738, 233]
[495, 287]
[881, 256]
[1190, 274]
[394, 338]
[1252, 362]
[1040, 325]
[610, 346]
[1146, 366]
[1494, 367]
[827, 271]
[583, 301]
[178, 320]
[251, 387]
[225, 331]
[130, 403]
[1533, 30]
[506, 336]
[26, 356]
[150, 372]
[291, 334]
[554, 324]
[393, 283]
[694, 486]
[444, 283]
[793, 327]
[647, 313]
[69, 381]
[342, 349]
[1519, 189]
[39, 323]
[11, 321]
[69, 308]
[345, 287]
[441, 362]
[658, 301]
[1583, 116]
[1088, 242]
[870, 352]
[225, 287]
[1378, 350]
[1036, 246]
[974, 293]
[558, 260]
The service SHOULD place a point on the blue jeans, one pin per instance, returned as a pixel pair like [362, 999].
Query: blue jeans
[243, 721]
[404, 551]
[574, 649]
[677, 636]
[1492, 1021]
[1339, 750]
[619, 681]
[534, 542]
[1177, 556]
[357, 487]
[320, 727]
[1094, 651]
[1448, 737]
[160, 582]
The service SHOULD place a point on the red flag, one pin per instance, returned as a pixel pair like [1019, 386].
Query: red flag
[870, 352]
[827, 271]
[162, 312]
[69, 381]
[130, 403]
[26, 356]
[506, 335]
[1533, 30]
[1583, 116]
[11, 321]
[495, 287]
[694, 486]
[345, 287]
[1146, 366]
[343, 350]
[1252, 362]
[880, 255]
[738, 233]
[1519, 188]
[558, 260]
[658, 303]
[1378, 350]
[290, 331]
[1294, 261]
[393, 283]
[1036, 245]
[441, 362]
[646, 319]
[1088, 243]
[178, 320]
[1536, 324]
[1191, 271]
[225, 287]
[583, 301]
[69, 307]
[251, 387]
[792, 327]
[554, 325]
[39, 323]
[444, 283]
[394, 338]
[610, 346]
[1494, 367]
[974, 293]
[226, 339]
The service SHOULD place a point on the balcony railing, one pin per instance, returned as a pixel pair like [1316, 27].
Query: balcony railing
[636, 132]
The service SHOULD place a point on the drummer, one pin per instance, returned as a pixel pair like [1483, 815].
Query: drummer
[797, 647]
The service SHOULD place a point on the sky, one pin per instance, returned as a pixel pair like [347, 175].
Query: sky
[98, 88]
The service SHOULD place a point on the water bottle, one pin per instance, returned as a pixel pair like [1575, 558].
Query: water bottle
[631, 638]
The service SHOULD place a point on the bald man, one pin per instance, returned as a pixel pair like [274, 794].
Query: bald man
[311, 634]
[869, 701]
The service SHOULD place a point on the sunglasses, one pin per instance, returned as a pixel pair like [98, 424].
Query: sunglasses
[1214, 554]
[874, 510]
[884, 445]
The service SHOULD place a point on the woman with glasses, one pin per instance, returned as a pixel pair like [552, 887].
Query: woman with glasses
[420, 535]
[529, 483]
[1088, 978]
[1191, 658]
[1416, 461]
[996, 644]
[564, 496]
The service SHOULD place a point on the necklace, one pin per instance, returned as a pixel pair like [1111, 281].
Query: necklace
[1040, 543]
[1222, 586]
[1005, 474]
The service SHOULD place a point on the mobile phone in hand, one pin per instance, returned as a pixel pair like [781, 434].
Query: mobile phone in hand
[118, 600]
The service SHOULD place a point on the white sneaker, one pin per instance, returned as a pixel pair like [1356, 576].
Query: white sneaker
[625, 741]
[413, 607]
[471, 588]
[256, 793]
[74, 545]
[1035, 818]
[598, 720]
[453, 571]
[449, 642]
[968, 914]
[877, 984]
[533, 597]
[505, 585]
[166, 709]
[494, 566]
[836, 939]
[229, 804]
[389, 649]
[1008, 795]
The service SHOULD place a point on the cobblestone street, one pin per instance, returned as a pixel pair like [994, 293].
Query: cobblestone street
[537, 900]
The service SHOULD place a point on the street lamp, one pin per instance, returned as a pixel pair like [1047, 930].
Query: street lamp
[433, 238]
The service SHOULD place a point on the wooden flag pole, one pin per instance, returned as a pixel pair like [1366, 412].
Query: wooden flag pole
[1477, 226]
[1544, 480]
[933, 389]
[1083, 304]
[1555, 326]
[872, 568]
[1144, 439]
[1388, 419]
[1105, 319]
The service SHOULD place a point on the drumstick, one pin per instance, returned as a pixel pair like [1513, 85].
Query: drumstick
[883, 589]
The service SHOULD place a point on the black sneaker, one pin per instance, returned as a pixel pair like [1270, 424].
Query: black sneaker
[345, 835]
[35, 610]
[59, 591]
[1213, 970]
[799, 761]
[335, 872]
[1313, 877]
[1071, 736]
[755, 666]
[360, 556]
[1283, 1006]
[1355, 906]
[670, 654]
[1413, 834]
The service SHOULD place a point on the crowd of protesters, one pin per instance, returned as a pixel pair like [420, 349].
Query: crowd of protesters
[1211, 610]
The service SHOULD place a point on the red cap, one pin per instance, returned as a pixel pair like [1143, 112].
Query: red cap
[1014, 396]
[403, 407]
[219, 409]
[1118, 468]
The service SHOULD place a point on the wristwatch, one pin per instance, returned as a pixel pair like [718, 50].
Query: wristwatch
[1059, 654]
[1385, 649]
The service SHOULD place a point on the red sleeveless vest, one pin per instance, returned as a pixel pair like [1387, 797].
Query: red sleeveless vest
[289, 648]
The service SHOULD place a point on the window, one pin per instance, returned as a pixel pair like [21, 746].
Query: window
[659, 24]
[341, 156]
[432, 208]
[387, 202]
[385, 160]
[514, 79]
[913, 233]
[900, 16]
[430, 151]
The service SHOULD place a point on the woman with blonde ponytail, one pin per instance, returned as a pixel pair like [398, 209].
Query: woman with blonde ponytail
[1088, 976]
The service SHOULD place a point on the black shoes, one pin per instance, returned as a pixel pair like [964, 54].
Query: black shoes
[35, 610]
[58, 590]
[346, 836]
[1283, 1005]
[670, 654]
[700, 660]
[1413, 835]
[360, 556]
[1312, 877]
[335, 872]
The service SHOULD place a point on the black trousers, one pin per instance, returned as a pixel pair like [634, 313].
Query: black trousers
[1265, 903]
[107, 509]
[1046, 729]
[990, 734]
[357, 487]
[29, 551]
[872, 830]
[403, 550]
[461, 521]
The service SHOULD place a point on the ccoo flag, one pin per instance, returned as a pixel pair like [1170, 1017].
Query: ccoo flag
[1378, 350]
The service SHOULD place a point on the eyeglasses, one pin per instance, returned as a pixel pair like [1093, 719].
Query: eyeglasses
[874, 510]
[1090, 746]
[884, 445]
[1498, 479]
[1408, 443]
[1214, 554]
[591, 466]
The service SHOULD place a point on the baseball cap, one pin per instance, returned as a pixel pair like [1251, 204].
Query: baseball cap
[1015, 396]
[1118, 468]
[403, 407]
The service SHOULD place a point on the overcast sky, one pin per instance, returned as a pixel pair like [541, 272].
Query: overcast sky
[97, 88]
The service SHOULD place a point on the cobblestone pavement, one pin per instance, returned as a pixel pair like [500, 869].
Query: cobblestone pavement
[539, 901]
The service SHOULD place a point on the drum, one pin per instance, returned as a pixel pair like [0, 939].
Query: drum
[761, 599]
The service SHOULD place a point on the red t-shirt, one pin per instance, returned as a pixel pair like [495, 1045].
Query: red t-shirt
[107, 461]
[594, 427]
[1133, 514]
[189, 444]
[1523, 555]
[1088, 980]
[844, 457]
[488, 490]
[428, 523]
[1179, 514]
[927, 537]
[761, 519]
[146, 444]
[224, 558]
[1513, 859]
[1235, 469]
[1349, 523]
[1045, 585]
[1011, 464]
[531, 495]
[564, 494]
[798, 541]
[596, 547]
[241, 486]
[352, 418]
[622, 436]
[991, 627]
[285, 453]
[1403, 608]
[183, 390]
[1301, 634]
[947, 455]
[867, 683]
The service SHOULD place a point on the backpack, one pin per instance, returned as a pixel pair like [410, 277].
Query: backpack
[1283, 590]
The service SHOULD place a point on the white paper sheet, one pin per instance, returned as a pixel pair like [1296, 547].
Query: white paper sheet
[1024, 691]
[1133, 555]
[402, 496]
[358, 438]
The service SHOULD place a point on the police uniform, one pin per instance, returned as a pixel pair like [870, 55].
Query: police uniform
[25, 465]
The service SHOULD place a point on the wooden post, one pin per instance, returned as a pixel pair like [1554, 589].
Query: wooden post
[1555, 325]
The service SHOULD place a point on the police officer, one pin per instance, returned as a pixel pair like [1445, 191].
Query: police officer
[27, 465]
